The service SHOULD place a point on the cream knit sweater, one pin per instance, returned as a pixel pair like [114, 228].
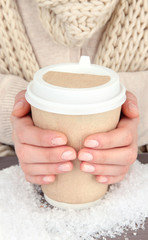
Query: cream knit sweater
[102, 29]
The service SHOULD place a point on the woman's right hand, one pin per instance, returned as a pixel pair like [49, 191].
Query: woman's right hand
[42, 153]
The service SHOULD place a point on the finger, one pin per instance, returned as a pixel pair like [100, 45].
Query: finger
[98, 169]
[31, 154]
[40, 179]
[116, 156]
[46, 169]
[109, 179]
[27, 133]
[123, 135]
[130, 107]
[21, 106]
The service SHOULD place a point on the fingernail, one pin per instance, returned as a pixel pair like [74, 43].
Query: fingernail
[88, 168]
[132, 107]
[68, 155]
[18, 105]
[58, 141]
[85, 156]
[64, 167]
[102, 179]
[48, 179]
[91, 143]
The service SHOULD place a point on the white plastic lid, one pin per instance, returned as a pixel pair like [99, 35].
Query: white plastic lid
[76, 101]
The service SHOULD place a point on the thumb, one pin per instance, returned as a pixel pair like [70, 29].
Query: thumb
[21, 106]
[130, 107]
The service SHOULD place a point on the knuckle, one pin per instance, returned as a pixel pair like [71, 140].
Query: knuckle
[53, 154]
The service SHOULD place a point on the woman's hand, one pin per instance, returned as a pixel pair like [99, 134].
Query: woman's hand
[109, 155]
[42, 153]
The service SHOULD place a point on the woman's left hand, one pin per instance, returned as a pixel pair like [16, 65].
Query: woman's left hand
[109, 155]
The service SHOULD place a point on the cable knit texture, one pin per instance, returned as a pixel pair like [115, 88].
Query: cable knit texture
[71, 22]
[123, 46]
[16, 54]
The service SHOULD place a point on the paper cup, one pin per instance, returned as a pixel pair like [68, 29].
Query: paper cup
[78, 100]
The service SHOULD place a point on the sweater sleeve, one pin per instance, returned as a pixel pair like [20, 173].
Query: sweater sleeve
[137, 83]
[10, 85]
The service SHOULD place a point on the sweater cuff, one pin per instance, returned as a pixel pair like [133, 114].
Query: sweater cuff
[10, 85]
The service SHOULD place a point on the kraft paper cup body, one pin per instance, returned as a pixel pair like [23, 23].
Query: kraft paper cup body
[77, 112]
